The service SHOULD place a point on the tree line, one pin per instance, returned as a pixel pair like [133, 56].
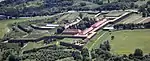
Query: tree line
[132, 26]
[50, 7]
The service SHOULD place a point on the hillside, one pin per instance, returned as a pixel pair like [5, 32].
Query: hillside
[48, 7]
[42, 7]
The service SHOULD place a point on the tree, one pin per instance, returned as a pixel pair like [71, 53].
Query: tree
[21, 44]
[141, 9]
[76, 55]
[144, 14]
[86, 58]
[81, 15]
[112, 37]
[132, 5]
[108, 1]
[123, 7]
[60, 30]
[100, 2]
[107, 45]
[82, 4]
[130, 56]
[103, 47]
[99, 51]
[148, 2]
[99, 59]
[85, 54]
[5, 55]
[13, 58]
[138, 52]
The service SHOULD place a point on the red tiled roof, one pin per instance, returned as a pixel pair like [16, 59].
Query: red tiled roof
[99, 23]
[87, 30]
[100, 26]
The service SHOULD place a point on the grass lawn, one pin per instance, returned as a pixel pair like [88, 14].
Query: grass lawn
[127, 41]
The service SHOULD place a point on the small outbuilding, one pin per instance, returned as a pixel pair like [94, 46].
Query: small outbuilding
[2, 17]
[108, 28]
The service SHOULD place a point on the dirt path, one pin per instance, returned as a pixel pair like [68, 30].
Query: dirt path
[97, 40]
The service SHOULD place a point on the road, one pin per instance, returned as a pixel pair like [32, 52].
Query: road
[94, 44]
[97, 40]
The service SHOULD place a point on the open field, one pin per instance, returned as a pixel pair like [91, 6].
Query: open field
[133, 18]
[127, 41]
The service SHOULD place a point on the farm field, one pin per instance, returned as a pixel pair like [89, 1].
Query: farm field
[3, 23]
[68, 16]
[72, 16]
[63, 17]
[127, 41]
[141, 2]
[114, 14]
[133, 18]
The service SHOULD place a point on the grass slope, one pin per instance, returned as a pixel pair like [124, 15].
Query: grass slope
[133, 18]
[127, 41]
[3, 23]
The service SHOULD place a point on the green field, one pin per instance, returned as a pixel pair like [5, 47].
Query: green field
[4, 23]
[133, 18]
[127, 41]
[115, 14]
